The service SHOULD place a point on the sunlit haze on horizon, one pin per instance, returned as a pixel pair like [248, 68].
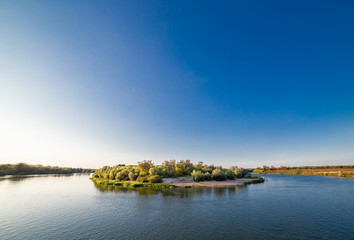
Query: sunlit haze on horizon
[93, 83]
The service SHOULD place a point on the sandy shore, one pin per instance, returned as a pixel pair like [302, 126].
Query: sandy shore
[188, 181]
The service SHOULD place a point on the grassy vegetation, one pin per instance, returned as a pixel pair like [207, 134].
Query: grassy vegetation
[25, 169]
[333, 171]
[258, 180]
[132, 184]
[149, 174]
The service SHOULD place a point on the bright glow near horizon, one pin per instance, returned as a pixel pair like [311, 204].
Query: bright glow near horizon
[108, 83]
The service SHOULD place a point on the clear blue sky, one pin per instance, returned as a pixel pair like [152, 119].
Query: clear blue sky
[246, 83]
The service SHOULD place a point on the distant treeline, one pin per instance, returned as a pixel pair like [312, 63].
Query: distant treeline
[146, 171]
[25, 169]
[334, 171]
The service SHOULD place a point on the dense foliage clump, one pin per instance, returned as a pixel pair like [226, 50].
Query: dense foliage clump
[198, 176]
[155, 179]
[147, 172]
[218, 175]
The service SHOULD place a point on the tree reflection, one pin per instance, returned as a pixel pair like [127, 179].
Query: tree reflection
[195, 192]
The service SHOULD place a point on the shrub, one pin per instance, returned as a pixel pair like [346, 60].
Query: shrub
[230, 174]
[145, 165]
[207, 177]
[183, 167]
[197, 176]
[143, 173]
[153, 171]
[112, 175]
[187, 186]
[163, 173]
[132, 176]
[142, 179]
[171, 174]
[122, 175]
[155, 179]
[218, 175]
[241, 173]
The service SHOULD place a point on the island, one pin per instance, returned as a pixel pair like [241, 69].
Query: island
[172, 174]
[330, 171]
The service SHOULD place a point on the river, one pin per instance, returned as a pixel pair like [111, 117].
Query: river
[72, 207]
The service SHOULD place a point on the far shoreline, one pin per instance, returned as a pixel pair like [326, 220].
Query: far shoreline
[346, 171]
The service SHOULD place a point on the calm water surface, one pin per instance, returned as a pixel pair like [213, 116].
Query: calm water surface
[72, 207]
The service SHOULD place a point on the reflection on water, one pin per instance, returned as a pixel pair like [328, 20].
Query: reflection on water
[18, 178]
[195, 192]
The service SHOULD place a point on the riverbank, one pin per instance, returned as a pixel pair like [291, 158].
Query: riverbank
[27, 169]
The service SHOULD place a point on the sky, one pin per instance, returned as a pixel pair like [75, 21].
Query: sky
[230, 83]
